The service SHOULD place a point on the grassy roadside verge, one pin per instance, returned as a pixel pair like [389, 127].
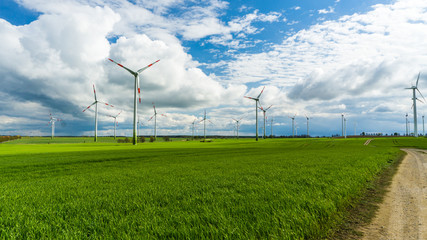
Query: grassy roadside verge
[365, 208]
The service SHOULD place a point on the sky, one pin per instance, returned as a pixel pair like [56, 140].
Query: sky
[315, 58]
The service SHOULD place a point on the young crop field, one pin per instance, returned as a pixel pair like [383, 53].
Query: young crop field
[232, 189]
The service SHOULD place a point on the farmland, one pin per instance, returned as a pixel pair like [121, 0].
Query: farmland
[235, 189]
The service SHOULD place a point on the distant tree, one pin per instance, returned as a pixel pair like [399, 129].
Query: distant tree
[152, 139]
[166, 139]
[142, 139]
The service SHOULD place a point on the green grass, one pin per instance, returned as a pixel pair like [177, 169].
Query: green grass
[274, 188]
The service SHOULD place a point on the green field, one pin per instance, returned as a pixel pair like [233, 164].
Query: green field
[233, 189]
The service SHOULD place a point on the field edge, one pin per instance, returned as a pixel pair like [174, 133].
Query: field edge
[363, 210]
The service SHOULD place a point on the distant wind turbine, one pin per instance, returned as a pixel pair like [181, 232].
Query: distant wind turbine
[155, 121]
[293, 125]
[407, 125]
[414, 104]
[308, 133]
[115, 122]
[342, 124]
[204, 124]
[237, 126]
[423, 126]
[264, 111]
[192, 128]
[256, 110]
[345, 127]
[96, 112]
[271, 127]
[52, 124]
[137, 90]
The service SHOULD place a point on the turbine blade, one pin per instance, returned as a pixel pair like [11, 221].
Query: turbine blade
[268, 107]
[421, 94]
[154, 107]
[89, 106]
[107, 104]
[418, 79]
[139, 89]
[163, 115]
[149, 65]
[94, 91]
[132, 72]
[250, 98]
[261, 92]
[151, 117]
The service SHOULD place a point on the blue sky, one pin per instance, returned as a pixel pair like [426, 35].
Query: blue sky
[316, 58]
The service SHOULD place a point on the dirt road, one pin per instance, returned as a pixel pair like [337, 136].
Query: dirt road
[403, 213]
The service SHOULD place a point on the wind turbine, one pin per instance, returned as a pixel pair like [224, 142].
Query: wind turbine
[355, 125]
[407, 133]
[115, 122]
[414, 104]
[308, 135]
[155, 121]
[345, 127]
[342, 124]
[204, 125]
[264, 111]
[256, 110]
[423, 127]
[271, 127]
[192, 128]
[137, 90]
[96, 112]
[52, 123]
[237, 126]
[293, 125]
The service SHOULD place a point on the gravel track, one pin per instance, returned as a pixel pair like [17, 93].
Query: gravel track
[403, 213]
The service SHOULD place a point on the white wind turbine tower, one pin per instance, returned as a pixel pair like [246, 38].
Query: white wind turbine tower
[407, 132]
[296, 129]
[137, 90]
[271, 127]
[345, 127]
[414, 104]
[308, 119]
[139, 123]
[192, 128]
[342, 124]
[256, 110]
[293, 125]
[115, 122]
[155, 121]
[96, 112]
[264, 111]
[52, 124]
[237, 126]
[423, 127]
[204, 125]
